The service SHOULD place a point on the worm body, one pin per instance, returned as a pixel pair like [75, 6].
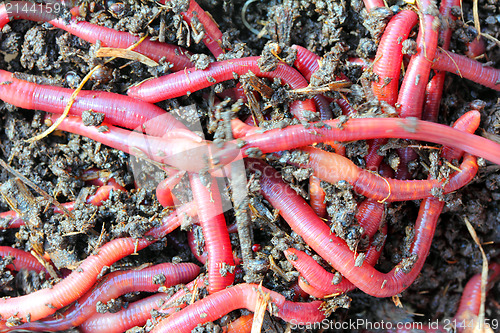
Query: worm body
[241, 296]
[92, 33]
[113, 285]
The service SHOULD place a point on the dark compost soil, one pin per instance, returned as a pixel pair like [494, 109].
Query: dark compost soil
[337, 30]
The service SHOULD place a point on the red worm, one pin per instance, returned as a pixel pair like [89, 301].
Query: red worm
[241, 325]
[470, 302]
[213, 224]
[115, 285]
[179, 152]
[213, 36]
[164, 189]
[92, 33]
[241, 296]
[102, 194]
[434, 89]
[334, 250]
[185, 82]
[476, 47]
[22, 260]
[412, 93]
[118, 109]
[137, 313]
[193, 245]
[372, 4]
[370, 128]
[45, 302]
[317, 196]
[469, 123]
[468, 68]
[324, 164]
[389, 57]
[370, 216]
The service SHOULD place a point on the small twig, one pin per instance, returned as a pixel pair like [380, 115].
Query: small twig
[484, 272]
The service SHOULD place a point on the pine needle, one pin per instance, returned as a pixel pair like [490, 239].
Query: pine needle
[484, 276]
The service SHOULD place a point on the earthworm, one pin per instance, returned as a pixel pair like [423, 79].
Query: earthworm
[317, 196]
[164, 189]
[388, 59]
[190, 80]
[241, 325]
[240, 296]
[298, 136]
[412, 92]
[213, 225]
[45, 302]
[468, 68]
[137, 313]
[372, 4]
[96, 199]
[22, 260]
[114, 285]
[373, 186]
[471, 296]
[193, 245]
[476, 47]
[334, 250]
[470, 303]
[469, 123]
[370, 216]
[434, 89]
[92, 33]
[177, 152]
[118, 109]
[213, 36]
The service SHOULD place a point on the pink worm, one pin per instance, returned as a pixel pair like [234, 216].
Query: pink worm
[469, 123]
[372, 4]
[241, 325]
[114, 285]
[412, 93]
[469, 306]
[317, 196]
[476, 47]
[164, 189]
[375, 187]
[334, 250]
[241, 296]
[92, 33]
[118, 109]
[45, 302]
[389, 57]
[213, 36]
[468, 68]
[22, 260]
[471, 296]
[177, 152]
[370, 215]
[213, 224]
[434, 90]
[137, 313]
[370, 128]
[190, 80]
